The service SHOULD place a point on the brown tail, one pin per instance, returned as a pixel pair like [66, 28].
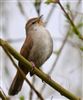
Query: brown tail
[16, 84]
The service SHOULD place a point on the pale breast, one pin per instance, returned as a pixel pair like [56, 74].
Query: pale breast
[42, 46]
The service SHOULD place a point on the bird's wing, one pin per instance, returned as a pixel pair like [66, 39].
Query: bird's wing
[26, 48]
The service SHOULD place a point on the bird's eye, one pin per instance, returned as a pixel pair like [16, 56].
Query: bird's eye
[33, 22]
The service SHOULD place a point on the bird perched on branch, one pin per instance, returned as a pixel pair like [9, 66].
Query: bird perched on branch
[37, 48]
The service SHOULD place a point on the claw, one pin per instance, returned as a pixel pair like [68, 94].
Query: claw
[32, 70]
[32, 63]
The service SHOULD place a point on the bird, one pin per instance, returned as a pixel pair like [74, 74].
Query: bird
[37, 48]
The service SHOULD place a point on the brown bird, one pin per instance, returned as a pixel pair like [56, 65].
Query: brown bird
[37, 48]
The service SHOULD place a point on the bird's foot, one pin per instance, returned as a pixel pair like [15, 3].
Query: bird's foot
[32, 70]
[32, 63]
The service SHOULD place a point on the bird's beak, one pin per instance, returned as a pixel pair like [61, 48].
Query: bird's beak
[40, 17]
[40, 20]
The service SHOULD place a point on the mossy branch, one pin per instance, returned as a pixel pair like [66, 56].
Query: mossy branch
[39, 73]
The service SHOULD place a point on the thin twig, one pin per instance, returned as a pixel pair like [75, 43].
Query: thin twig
[31, 91]
[49, 14]
[22, 73]
[71, 22]
[37, 5]
[30, 94]
[76, 45]
[21, 8]
[3, 95]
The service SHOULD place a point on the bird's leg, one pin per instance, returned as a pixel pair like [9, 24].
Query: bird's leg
[32, 70]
